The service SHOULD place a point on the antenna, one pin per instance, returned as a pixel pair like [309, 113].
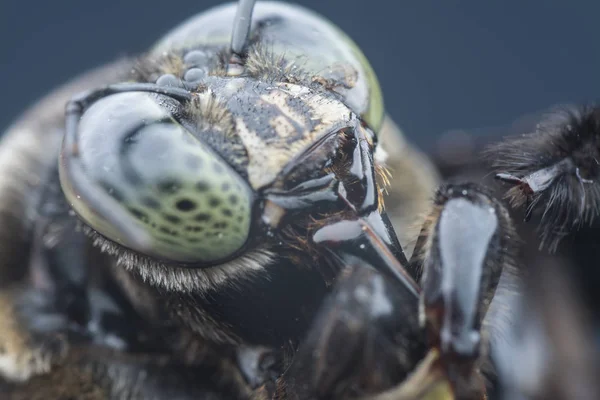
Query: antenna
[241, 30]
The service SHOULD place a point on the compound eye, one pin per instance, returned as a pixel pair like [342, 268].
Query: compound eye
[142, 180]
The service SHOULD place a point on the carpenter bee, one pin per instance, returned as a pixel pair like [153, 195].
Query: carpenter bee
[207, 220]
[187, 215]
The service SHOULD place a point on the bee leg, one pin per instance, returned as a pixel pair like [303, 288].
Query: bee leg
[364, 340]
[42, 319]
[37, 331]
[35, 312]
[32, 334]
[51, 308]
[470, 241]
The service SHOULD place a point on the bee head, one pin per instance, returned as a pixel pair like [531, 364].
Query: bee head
[186, 179]
[200, 164]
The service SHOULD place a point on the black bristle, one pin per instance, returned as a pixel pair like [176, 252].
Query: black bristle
[566, 144]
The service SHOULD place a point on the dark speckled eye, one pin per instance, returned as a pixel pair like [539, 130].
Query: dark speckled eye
[159, 177]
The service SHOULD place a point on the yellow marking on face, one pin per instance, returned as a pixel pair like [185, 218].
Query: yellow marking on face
[267, 157]
[278, 98]
[282, 126]
[261, 167]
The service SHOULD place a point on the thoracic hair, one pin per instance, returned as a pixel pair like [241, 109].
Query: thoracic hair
[568, 135]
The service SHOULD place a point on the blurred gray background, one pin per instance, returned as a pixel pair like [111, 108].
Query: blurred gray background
[443, 65]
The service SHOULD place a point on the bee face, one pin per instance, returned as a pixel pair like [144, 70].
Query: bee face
[190, 184]
[181, 169]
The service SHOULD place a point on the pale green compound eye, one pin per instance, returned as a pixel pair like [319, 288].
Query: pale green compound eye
[192, 206]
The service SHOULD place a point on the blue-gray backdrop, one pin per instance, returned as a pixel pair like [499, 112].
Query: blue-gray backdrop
[443, 64]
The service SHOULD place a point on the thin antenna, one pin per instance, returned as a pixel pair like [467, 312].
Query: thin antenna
[241, 26]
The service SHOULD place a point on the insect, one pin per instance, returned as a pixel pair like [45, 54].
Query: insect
[207, 220]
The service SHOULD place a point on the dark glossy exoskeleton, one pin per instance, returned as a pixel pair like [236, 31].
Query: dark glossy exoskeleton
[207, 220]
